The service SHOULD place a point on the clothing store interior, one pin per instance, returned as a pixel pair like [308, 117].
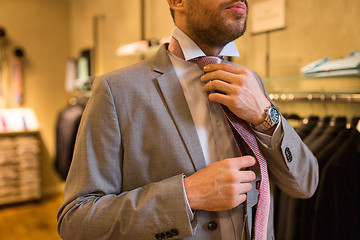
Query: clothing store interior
[307, 52]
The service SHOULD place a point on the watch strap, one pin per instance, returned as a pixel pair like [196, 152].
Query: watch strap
[267, 123]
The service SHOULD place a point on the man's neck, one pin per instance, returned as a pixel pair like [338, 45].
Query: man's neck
[207, 49]
[194, 48]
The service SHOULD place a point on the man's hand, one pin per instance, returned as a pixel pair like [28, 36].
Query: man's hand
[220, 186]
[236, 88]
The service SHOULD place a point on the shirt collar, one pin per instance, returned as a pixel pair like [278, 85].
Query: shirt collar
[192, 50]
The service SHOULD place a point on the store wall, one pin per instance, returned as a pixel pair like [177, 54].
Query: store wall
[314, 30]
[41, 28]
[119, 22]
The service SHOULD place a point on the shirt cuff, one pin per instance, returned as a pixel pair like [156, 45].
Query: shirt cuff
[273, 140]
[190, 213]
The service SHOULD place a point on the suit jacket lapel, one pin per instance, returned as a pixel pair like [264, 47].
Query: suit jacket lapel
[174, 99]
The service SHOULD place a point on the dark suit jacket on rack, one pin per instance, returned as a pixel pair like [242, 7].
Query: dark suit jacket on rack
[337, 209]
[66, 129]
[136, 140]
[307, 210]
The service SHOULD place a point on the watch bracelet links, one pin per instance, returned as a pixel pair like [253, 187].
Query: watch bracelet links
[266, 124]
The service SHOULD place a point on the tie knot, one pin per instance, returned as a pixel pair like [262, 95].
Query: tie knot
[203, 61]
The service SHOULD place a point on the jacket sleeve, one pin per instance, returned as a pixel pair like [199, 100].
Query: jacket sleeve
[95, 205]
[292, 166]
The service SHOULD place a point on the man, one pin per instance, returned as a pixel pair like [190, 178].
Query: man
[155, 157]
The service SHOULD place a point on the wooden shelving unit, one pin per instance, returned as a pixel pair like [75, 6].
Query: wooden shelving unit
[20, 178]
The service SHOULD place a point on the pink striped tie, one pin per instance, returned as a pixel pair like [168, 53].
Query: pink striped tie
[243, 130]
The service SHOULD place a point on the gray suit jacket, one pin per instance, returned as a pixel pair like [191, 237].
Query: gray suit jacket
[136, 141]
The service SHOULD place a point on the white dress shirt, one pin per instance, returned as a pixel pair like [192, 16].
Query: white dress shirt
[212, 127]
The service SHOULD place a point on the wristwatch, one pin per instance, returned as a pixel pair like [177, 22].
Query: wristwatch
[272, 118]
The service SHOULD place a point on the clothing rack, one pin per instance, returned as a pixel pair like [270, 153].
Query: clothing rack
[316, 97]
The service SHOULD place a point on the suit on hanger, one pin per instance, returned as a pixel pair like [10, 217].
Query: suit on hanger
[317, 131]
[307, 210]
[136, 141]
[66, 129]
[337, 209]
[306, 128]
[329, 134]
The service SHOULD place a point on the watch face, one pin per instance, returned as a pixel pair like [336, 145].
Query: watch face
[274, 115]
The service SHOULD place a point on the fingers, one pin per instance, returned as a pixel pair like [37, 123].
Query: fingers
[218, 85]
[247, 176]
[227, 67]
[242, 189]
[223, 71]
[224, 78]
[240, 162]
[237, 165]
[220, 74]
[247, 161]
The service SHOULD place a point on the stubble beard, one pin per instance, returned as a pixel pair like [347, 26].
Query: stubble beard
[215, 31]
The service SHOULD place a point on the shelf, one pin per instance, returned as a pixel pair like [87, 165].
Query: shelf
[349, 97]
[20, 166]
[19, 133]
[302, 78]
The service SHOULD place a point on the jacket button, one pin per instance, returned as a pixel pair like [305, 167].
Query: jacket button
[288, 155]
[174, 231]
[160, 236]
[169, 234]
[212, 226]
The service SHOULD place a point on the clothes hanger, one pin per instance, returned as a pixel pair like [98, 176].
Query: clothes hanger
[355, 123]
